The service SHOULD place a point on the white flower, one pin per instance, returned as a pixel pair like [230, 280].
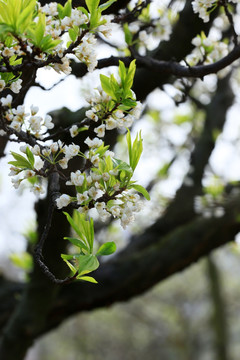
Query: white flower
[39, 164]
[77, 178]
[36, 150]
[104, 215]
[126, 220]
[38, 189]
[105, 176]
[46, 152]
[95, 160]
[137, 110]
[93, 143]
[143, 37]
[133, 197]
[63, 201]
[35, 123]
[95, 176]
[54, 147]
[14, 171]
[48, 122]
[63, 163]
[29, 174]
[100, 206]
[109, 153]
[23, 148]
[16, 86]
[20, 111]
[2, 85]
[89, 180]
[94, 193]
[71, 150]
[82, 197]
[116, 210]
[100, 130]
[7, 101]
[16, 182]
[15, 125]
[91, 115]
[74, 131]
[111, 123]
[2, 132]
[34, 110]
[7, 52]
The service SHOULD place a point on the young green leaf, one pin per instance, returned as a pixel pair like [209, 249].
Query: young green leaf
[107, 249]
[107, 86]
[127, 33]
[87, 278]
[106, 5]
[79, 243]
[75, 227]
[141, 190]
[92, 5]
[130, 75]
[86, 263]
[20, 162]
[71, 267]
[134, 150]
[72, 34]
[30, 156]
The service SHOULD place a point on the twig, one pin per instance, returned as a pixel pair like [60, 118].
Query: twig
[53, 192]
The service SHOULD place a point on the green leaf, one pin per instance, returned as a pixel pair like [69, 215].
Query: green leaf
[92, 5]
[72, 34]
[134, 150]
[128, 34]
[122, 72]
[40, 29]
[141, 190]
[122, 165]
[77, 242]
[130, 75]
[87, 263]
[67, 257]
[74, 225]
[107, 249]
[67, 10]
[129, 143]
[20, 162]
[25, 17]
[107, 86]
[30, 156]
[71, 267]
[129, 103]
[60, 11]
[106, 5]
[87, 278]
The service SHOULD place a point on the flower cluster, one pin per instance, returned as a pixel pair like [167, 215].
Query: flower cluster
[151, 29]
[204, 7]
[19, 120]
[104, 186]
[206, 50]
[109, 119]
